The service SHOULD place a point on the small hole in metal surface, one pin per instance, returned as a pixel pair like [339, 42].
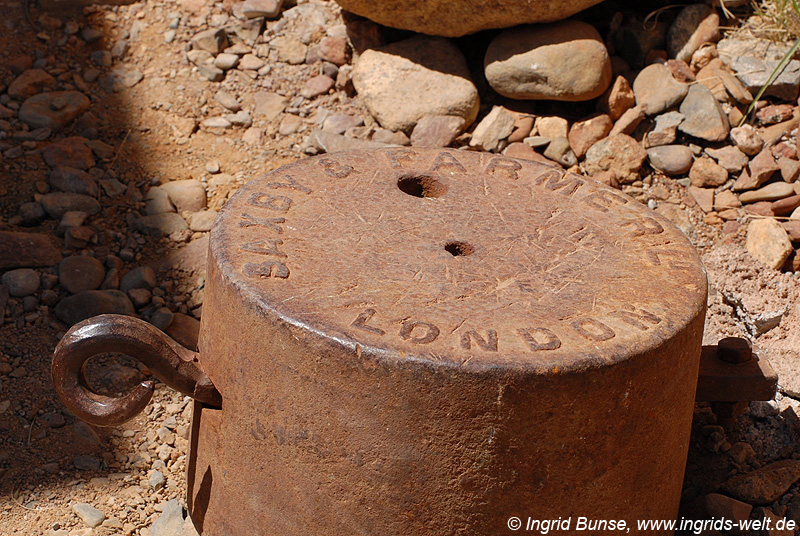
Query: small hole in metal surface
[458, 249]
[421, 186]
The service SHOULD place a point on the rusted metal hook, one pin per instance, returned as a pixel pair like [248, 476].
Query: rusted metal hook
[170, 362]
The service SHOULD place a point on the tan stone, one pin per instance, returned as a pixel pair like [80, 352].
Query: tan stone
[452, 19]
[769, 243]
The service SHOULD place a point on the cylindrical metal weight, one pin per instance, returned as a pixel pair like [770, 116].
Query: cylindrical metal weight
[429, 342]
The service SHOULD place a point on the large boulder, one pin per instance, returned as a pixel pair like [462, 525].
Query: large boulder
[565, 61]
[404, 81]
[453, 19]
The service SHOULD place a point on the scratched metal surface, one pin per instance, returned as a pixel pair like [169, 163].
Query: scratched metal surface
[553, 271]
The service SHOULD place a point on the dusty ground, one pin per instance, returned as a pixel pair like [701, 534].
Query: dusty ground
[49, 460]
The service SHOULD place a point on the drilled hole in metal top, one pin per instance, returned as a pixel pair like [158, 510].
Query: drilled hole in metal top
[459, 249]
[421, 186]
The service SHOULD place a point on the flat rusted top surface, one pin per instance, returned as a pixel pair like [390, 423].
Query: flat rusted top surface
[451, 257]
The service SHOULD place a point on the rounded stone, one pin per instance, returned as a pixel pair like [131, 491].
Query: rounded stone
[392, 79]
[416, 291]
[21, 282]
[453, 19]
[671, 159]
[79, 273]
[83, 305]
[565, 61]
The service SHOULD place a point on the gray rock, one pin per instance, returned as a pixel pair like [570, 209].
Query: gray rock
[657, 90]
[251, 62]
[339, 123]
[162, 318]
[91, 516]
[671, 159]
[112, 187]
[240, 119]
[386, 77]
[528, 62]
[217, 123]
[729, 157]
[158, 225]
[141, 277]
[53, 110]
[268, 105]
[157, 480]
[79, 273]
[31, 214]
[170, 522]
[436, 130]
[753, 73]
[69, 179]
[227, 100]
[121, 77]
[59, 203]
[226, 61]
[704, 117]
[213, 40]
[189, 194]
[332, 143]
[83, 305]
[21, 282]
[665, 130]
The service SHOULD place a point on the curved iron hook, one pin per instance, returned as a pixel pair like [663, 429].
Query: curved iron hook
[170, 362]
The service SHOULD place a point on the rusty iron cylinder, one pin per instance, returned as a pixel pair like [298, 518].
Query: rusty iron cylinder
[429, 342]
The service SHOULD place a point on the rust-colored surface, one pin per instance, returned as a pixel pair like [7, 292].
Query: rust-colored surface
[428, 342]
[168, 361]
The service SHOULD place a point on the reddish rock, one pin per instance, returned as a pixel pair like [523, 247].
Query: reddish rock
[792, 228]
[185, 330]
[629, 121]
[20, 250]
[760, 170]
[526, 152]
[681, 71]
[70, 152]
[586, 133]
[761, 208]
[706, 173]
[30, 83]
[618, 99]
[786, 206]
[704, 197]
[522, 128]
[619, 153]
[334, 50]
[436, 130]
[774, 113]
[317, 85]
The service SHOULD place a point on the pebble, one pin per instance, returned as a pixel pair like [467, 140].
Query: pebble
[20, 282]
[672, 160]
[769, 483]
[139, 277]
[665, 130]
[629, 121]
[496, 126]
[158, 201]
[186, 195]
[385, 77]
[289, 125]
[203, 220]
[317, 85]
[552, 126]
[83, 305]
[113, 188]
[162, 318]
[228, 101]
[53, 110]
[694, 26]
[523, 125]
[729, 157]
[704, 117]
[725, 200]
[290, 49]
[334, 49]
[339, 123]
[527, 62]
[706, 173]
[88, 514]
[31, 214]
[213, 40]
[759, 171]
[30, 83]
[790, 168]
[59, 203]
[157, 480]
[69, 152]
[747, 140]
[657, 90]
[79, 273]
[437, 130]
[704, 197]
[253, 9]
[70, 179]
[770, 192]
[226, 61]
[250, 62]
[618, 99]
[620, 154]
[558, 150]
[18, 250]
[139, 296]
[768, 243]
[157, 225]
[268, 105]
